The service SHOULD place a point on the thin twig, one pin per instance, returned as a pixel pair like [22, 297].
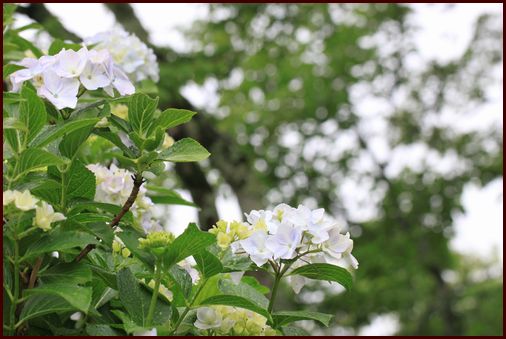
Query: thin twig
[138, 181]
[35, 271]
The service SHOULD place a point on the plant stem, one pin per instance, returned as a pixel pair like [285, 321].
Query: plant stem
[138, 181]
[81, 92]
[154, 298]
[27, 232]
[277, 279]
[35, 271]
[16, 289]
[62, 201]
[188, 307]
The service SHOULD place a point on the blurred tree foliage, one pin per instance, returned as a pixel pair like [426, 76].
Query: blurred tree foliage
[288, 128]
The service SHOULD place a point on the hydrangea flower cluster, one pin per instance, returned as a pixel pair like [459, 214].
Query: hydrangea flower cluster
[59, 77]
[288, 233]
[228, 320]
[129, 53]
[114, 186]
[25, 201]
[229, 232]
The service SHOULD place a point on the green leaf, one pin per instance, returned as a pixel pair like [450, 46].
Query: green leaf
[59, 242]
[286, 317]
[33, 25]
[11, 98]
[173, 117]
[100, 330]
[240, 295]
[160, 195]
[182, 281]
[89, 217]
[128, 325]
[119, 123]
[141, 109]
[98, 207]
[232, 300]
[75, 295]
[294, 331]
[185, 150]
[49, 190]
[207, 263]
[137, 139]
[102, 230]
[136, 300]
[79, 182]
[253, 282]
[40, 305]
[13, 123]
[190, 242]
[156, 167]
[115, 140]
[72, 141]
[26, 45]
[233, 263]
[56, 46]
[325, 272]
[154, 141]
[105, 296]
[243, 290]
[32, 112]
[105, 275]
[76, 273]
[8, 11]
[34, 158]
[54, 132]
[11, 68]
[12, 138]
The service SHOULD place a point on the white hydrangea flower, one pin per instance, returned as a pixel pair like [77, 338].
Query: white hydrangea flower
[337, 244]
[45, 216]
[120, 82]
[256, 247]
[34, 69]
[98, 70]
[286, 233]
[58, 78]
[25, 201]
[8, 197]
[312, 221]
[76, 316]
[263, 220]
[61, 92]
[146, 333]
[188, 265]
[296, 282]
[285, 241]
[69, 63]
[131, 55]
[207, 318]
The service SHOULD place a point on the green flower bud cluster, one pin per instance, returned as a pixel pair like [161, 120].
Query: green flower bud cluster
[158, 239]
[228, 320]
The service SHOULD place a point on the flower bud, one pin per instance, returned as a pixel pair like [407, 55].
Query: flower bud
[125, 252]
[168, 141]
[155, 240]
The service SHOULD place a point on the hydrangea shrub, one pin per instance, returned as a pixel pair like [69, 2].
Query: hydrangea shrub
[83, 251]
